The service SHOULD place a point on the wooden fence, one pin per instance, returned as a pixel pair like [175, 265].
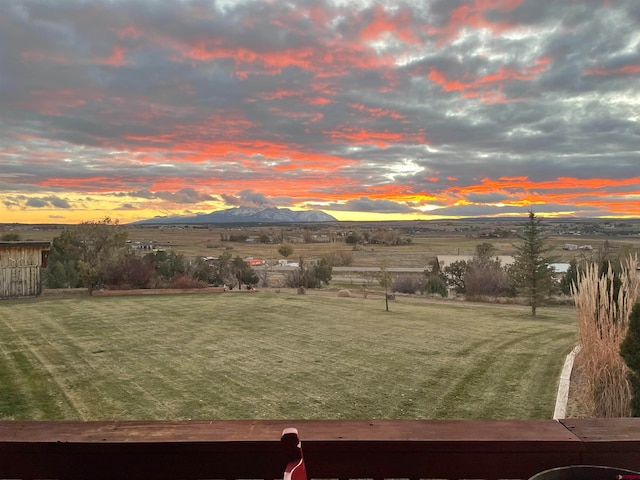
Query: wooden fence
[20, 281]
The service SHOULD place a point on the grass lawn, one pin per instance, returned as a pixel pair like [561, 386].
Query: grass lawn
[277, 356]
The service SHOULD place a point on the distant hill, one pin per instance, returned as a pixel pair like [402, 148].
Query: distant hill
[245, 215]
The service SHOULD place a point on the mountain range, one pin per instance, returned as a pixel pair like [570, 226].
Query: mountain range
[245, 215]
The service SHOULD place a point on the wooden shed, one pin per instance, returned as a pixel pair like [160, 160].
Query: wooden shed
[21, 264]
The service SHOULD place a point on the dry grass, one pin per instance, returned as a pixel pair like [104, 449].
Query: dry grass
[276, 355]
[604, 390]
[435, 239]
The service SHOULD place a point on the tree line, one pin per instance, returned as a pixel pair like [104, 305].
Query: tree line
[96, 254]
[531, 276]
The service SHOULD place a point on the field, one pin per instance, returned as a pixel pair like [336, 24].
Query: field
[270, 355]
[427, 239]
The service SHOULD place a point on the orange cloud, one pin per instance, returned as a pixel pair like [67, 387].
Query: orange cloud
[230, 145]
[480, 86]
[317, 101]
[474, 16]
[377, 112]
[626, 70]
[520, 191]
[562, 183]
[279, 94]
[116, 59]
[360, 136]
[398, 23]
[330, 61]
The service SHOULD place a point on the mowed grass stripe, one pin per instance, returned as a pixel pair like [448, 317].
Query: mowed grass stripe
[267, 355]
[27, 387]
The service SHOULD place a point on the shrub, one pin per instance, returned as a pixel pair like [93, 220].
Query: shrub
[201, 270]
[602, 325]
[630, 351]
[352, 239]
[407, 284]
[10, 237]
[62, 274]
[285, 250]
[167, 264]
[184, 281]
[339, 259]
[129, 272]
[569, 278]
[310, 275]
[488, 280]
[436, 285]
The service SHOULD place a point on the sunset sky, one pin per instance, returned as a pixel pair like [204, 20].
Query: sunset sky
[365, 110]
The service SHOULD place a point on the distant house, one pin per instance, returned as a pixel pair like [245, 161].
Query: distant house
[21, 264]
[142, 245]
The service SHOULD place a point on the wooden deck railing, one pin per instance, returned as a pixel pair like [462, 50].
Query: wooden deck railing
[332, 449]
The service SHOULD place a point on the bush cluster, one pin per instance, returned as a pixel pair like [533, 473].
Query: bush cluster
[310, 274]
[185, 281]
[408, 284]
[96, 255]
[435, 285]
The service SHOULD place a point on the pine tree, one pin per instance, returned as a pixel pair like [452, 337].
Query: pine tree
[570, 278]
[532, 271]
[630, 351]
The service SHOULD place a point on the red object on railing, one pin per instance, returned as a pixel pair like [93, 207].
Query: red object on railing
[295, 469]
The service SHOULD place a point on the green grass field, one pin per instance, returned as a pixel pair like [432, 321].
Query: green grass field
[277, 356]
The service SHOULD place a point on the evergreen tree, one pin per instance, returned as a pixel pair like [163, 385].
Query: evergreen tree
[570, 278]
[532, 271]
[62, 269]
[630, 352]
[436, 285]
[167, 264]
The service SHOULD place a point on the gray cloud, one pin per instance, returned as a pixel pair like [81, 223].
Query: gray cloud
[182, 196]
[364, 204]
[255, 103]
[490, 211]
[46, 202]
[36, 203]
[248, 198]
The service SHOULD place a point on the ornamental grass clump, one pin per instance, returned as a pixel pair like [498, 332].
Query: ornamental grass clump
[603, 316]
